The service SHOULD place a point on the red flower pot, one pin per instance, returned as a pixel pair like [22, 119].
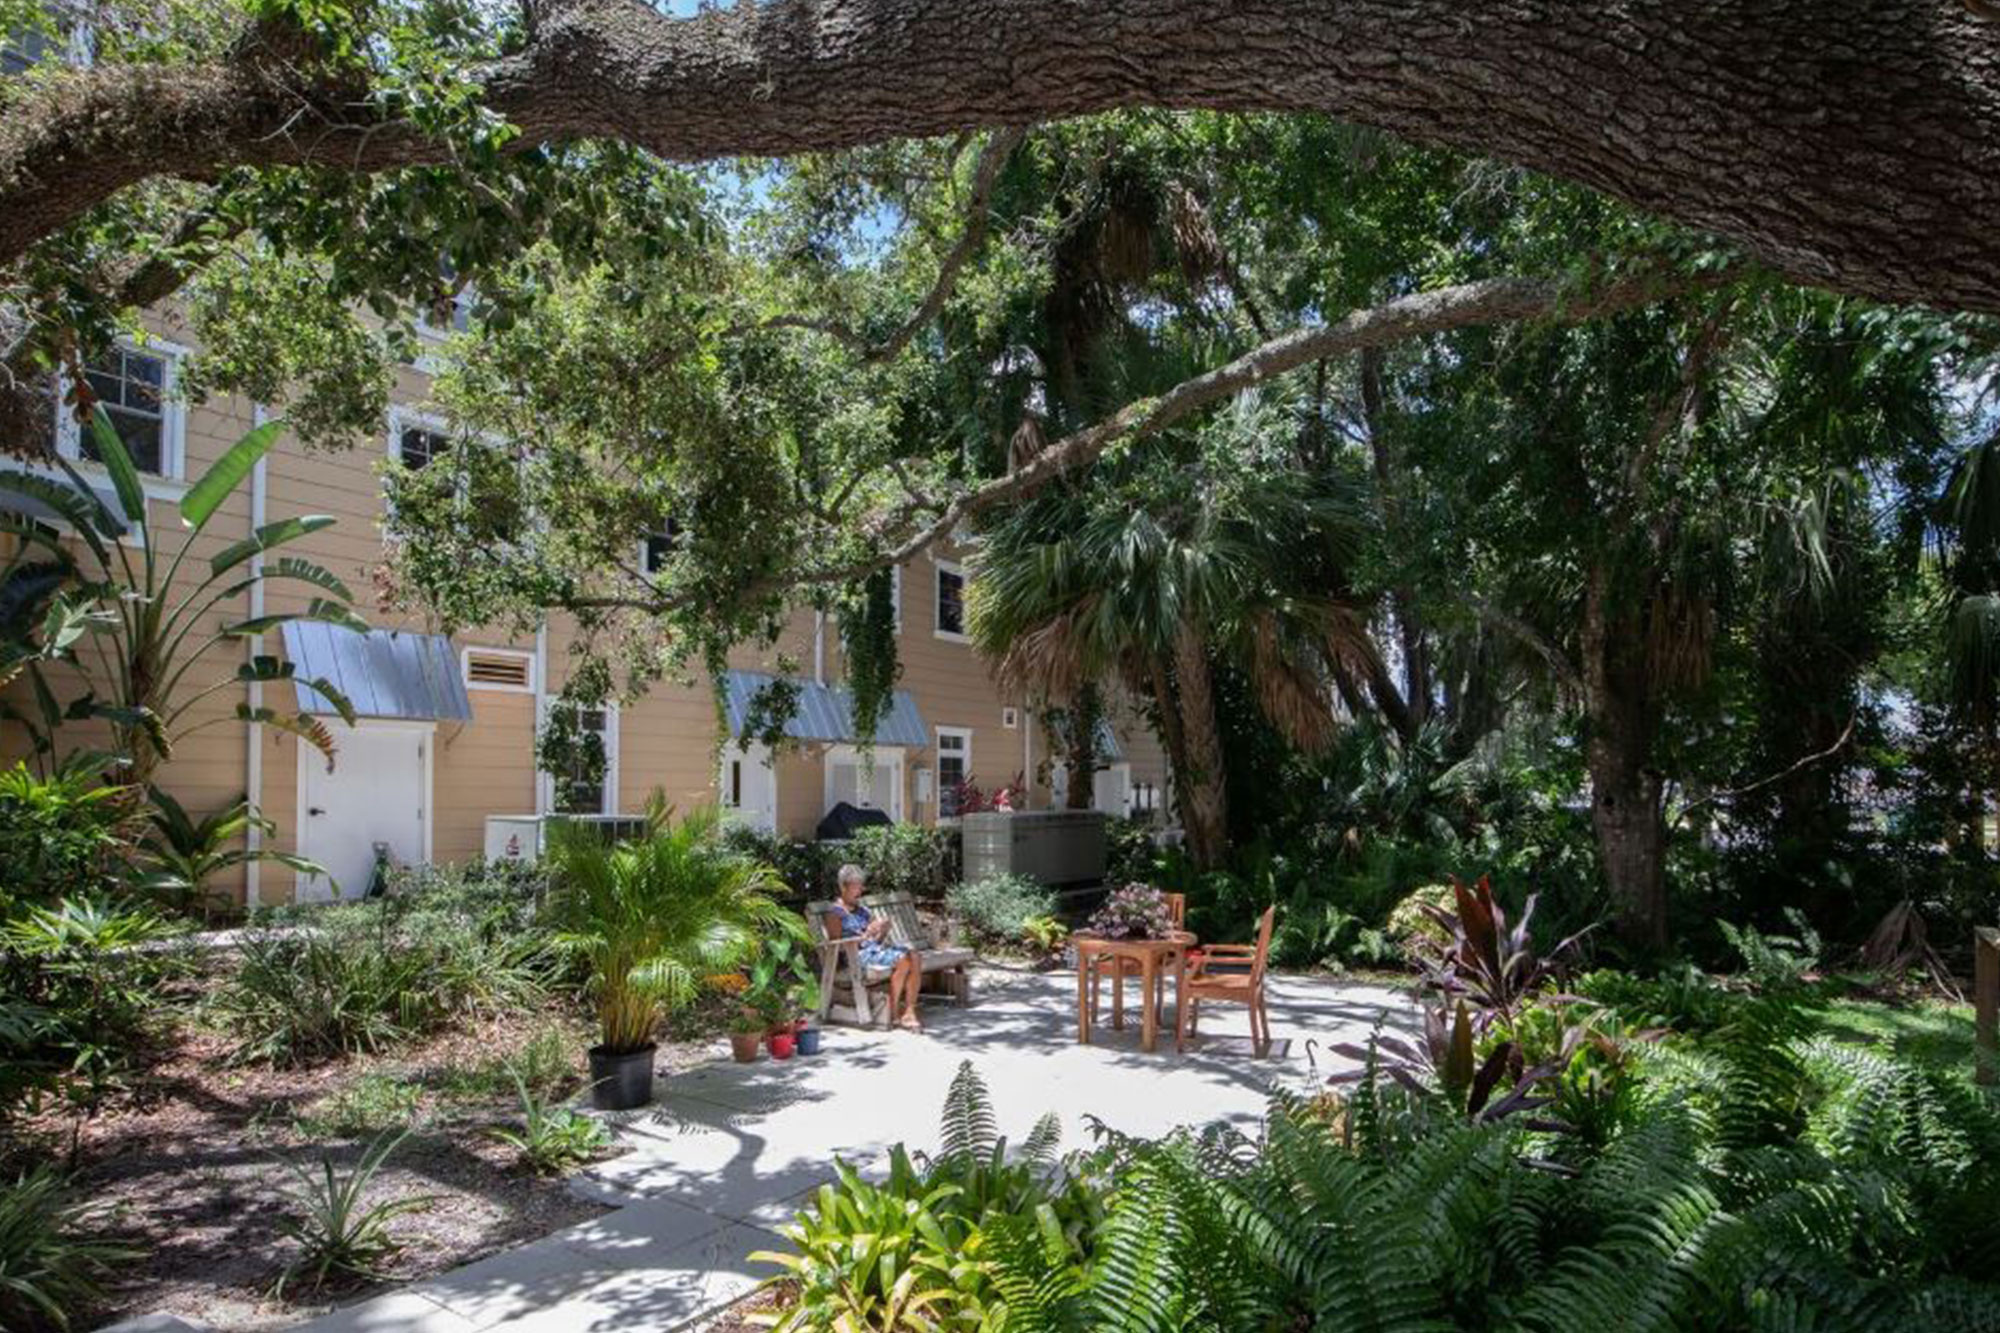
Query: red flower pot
[782, 1044]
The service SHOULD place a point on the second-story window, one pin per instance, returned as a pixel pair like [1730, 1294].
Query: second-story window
[419, 446]
[132, 387]
[950, 601]
[660, 544]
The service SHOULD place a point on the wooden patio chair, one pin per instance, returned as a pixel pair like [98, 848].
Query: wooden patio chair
[1237, 987]
[841, 969]
[1117, 968]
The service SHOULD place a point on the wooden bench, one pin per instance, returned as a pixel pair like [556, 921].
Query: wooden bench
[944, 969]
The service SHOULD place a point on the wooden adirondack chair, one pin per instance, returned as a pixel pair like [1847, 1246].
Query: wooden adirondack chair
[1246, 988]
[841, 972]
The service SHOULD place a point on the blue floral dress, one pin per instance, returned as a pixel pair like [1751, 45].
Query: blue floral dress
[874, 953]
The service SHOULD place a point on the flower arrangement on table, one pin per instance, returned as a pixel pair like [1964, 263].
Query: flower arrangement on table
[1135, 912]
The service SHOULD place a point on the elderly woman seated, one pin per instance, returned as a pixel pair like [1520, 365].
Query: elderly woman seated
[850, 920]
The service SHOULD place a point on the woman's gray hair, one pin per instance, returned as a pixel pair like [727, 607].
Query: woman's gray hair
[853, 872]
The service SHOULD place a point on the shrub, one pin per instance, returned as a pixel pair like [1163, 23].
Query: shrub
[654, 917]
[906, 1253]
[51, 1265]
[1776, 962]
[358, 977]
[82, 968]
[998, 908]
[906, 858]
[59, 835]
[371, 1104]
[806, 867]
[1129, 853]
[1756, 1180]
[1413, 925]
[341, 1234]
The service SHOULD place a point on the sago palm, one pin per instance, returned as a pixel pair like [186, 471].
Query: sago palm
[654, 916]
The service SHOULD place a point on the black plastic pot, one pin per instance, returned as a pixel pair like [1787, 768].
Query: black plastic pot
[622, 1081]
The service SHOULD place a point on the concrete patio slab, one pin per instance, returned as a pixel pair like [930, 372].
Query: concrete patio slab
[731, 1150]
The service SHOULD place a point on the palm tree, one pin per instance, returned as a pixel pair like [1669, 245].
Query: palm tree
[653, 917]
[1164, 565]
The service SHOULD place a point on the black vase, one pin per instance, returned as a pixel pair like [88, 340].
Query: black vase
[621, 1081]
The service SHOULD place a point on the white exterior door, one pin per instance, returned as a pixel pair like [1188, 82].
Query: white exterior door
[378, 792]
[750, 785]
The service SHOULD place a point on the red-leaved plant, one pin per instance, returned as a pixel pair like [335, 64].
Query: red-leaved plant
[1490, 962]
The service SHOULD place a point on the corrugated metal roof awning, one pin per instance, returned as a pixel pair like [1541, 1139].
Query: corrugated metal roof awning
[825, 713]
[383, 673]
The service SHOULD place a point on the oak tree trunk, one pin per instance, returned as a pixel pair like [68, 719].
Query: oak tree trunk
[1851, 145]
[1626, 791]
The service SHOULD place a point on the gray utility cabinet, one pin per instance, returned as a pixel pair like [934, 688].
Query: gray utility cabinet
[1053, 846]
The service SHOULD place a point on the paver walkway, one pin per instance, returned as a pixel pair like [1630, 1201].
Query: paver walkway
[723, 1159]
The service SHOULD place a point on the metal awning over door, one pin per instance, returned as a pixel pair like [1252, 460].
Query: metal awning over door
[383, 673]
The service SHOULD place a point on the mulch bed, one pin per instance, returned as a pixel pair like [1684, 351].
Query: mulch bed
[189, 1165]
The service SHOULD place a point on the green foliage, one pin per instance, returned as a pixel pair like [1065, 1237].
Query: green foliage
[359, 977]
[159, 602]
[340, 1228]
[84, 969]
[918, 1250]
[654, 916]
[1686, 1184]
[868, 638]
[1776, 961]
[805, 866]
[181, 855]
[1413, 923]
[552, 1140]
[54, 1266]
[906, 858]
[998, 908]
[59, 835]
[371, 1104]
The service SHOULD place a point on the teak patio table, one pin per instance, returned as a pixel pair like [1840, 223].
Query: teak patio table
[1154, 957]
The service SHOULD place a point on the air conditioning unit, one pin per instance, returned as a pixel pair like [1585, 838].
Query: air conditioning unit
[525, 837]
[1053, 846]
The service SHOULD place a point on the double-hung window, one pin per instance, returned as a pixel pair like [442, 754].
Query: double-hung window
[954, 768]
[134, 387]
[950, 623]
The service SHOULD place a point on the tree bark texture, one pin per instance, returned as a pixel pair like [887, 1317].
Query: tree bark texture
[1202, 781]
[1849, 143]
[1626, 808]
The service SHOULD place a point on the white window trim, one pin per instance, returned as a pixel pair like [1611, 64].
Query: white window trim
[646, 569]
[545, 783]
[964, 734]
[168, 484]
[939, 568]
[896, 594]
[884, 754]
[465, 668]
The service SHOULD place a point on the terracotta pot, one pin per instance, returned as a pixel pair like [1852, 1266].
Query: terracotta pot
[744, 1046]
[782, 1044]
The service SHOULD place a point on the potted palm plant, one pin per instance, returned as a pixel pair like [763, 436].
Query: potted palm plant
[653, 917]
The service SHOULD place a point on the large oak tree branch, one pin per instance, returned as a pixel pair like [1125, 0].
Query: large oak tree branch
[1850, 144]
[1488, 301]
